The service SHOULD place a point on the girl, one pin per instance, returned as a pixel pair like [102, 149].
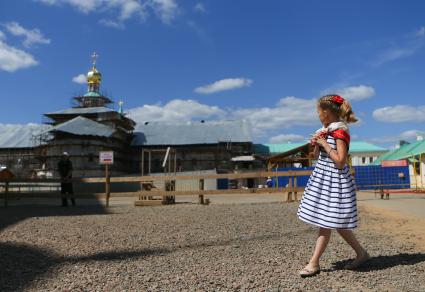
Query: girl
[329, 199]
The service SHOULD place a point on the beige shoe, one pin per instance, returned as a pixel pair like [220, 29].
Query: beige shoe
[358, 262]
[309, 272]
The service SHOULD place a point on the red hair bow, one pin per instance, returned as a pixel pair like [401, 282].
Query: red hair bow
[337, 99]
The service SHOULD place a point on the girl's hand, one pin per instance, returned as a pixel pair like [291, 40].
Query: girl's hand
[321, 141]
[314, 137]
[313, 140]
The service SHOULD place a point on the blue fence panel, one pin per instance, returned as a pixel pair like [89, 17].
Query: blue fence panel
[366, 177]
[222, 184]
[395, 177]
[283, 181]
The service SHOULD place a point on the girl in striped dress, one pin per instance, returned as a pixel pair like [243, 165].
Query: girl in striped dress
[329, 199]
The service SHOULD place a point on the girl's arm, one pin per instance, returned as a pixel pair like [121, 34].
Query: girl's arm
[338, 155]
[313, 141]
[316, 151]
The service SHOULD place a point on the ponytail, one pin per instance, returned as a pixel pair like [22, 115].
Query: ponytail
[346, 113]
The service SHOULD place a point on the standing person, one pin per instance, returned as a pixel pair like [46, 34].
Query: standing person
[65, 172]
[329, 199]
[269, 182]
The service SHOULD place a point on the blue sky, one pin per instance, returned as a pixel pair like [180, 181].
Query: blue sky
[264, 61]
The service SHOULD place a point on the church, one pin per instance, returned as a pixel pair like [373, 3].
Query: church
[93, 125]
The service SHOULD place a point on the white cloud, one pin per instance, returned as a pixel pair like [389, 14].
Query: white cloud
[80, 79]
[288, 112]
[200, 32]
[285, 138]
[166, 10]
[200, 7]
[129, 8]
[359, 92]
[12, 59]
[176, 110]
[408, 135]
[400, 113]
[112, 23]
[84, 6]
[224, 84]
[2, 35]
[421, 32]
[411, 135]
[32, 36]
[400, 48]
[395, 54]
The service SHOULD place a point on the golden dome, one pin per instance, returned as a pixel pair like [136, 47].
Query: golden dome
[94, 76]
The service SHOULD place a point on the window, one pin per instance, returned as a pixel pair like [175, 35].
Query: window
[363, 160]
[370, 159]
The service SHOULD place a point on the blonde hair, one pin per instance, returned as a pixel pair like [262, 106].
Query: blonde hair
[342, 110]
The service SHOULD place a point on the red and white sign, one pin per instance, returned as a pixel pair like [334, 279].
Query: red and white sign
[106, 157]
[389, 163]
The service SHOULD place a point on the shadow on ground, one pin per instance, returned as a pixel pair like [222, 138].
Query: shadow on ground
[13, 214]
[385, 262]
[22, 264]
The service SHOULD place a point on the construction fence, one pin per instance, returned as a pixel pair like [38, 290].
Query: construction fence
[163, 188]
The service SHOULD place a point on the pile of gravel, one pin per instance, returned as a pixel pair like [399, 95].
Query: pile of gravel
[188, 247]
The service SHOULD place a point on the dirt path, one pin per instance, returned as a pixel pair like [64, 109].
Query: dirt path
[402, 217]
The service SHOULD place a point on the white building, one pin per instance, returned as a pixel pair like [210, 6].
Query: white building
[363, 153]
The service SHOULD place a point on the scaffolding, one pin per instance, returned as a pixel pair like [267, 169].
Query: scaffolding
[169, 166]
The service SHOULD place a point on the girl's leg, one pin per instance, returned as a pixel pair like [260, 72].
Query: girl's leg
[321, 243]
[362, 255]
[349, 237]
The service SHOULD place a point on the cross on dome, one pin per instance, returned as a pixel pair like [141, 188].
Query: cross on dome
[94, 57]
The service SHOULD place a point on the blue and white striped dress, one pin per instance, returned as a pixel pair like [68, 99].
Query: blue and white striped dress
[329, 199]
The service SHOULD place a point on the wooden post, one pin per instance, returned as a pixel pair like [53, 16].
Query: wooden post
[143, 172]
[201, 188]
[6, 191]
[295, 186]
[169, 164]
[150, 157]
[420, 170]
[175, 162]
[107, 184]
[276, 181]
[143, 162]
[289, 197]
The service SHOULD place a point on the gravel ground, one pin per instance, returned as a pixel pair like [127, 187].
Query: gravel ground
[189, 247]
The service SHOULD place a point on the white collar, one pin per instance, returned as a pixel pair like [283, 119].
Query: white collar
[334, 126]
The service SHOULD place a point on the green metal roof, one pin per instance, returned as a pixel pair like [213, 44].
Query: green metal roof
[284, 147]
[275, 148]
[360, 146]
[405, 151]
[355, 147]
[92, 94]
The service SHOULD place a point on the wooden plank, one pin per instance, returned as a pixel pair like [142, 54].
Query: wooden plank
[41, 180]
[264, 174]
[386, 185]
[209, 176]
[89, 180]
[78, 196]
[221, 192]
[264, 191]
[149, 203]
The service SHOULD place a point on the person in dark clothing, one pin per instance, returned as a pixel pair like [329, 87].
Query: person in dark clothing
[65, 172]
